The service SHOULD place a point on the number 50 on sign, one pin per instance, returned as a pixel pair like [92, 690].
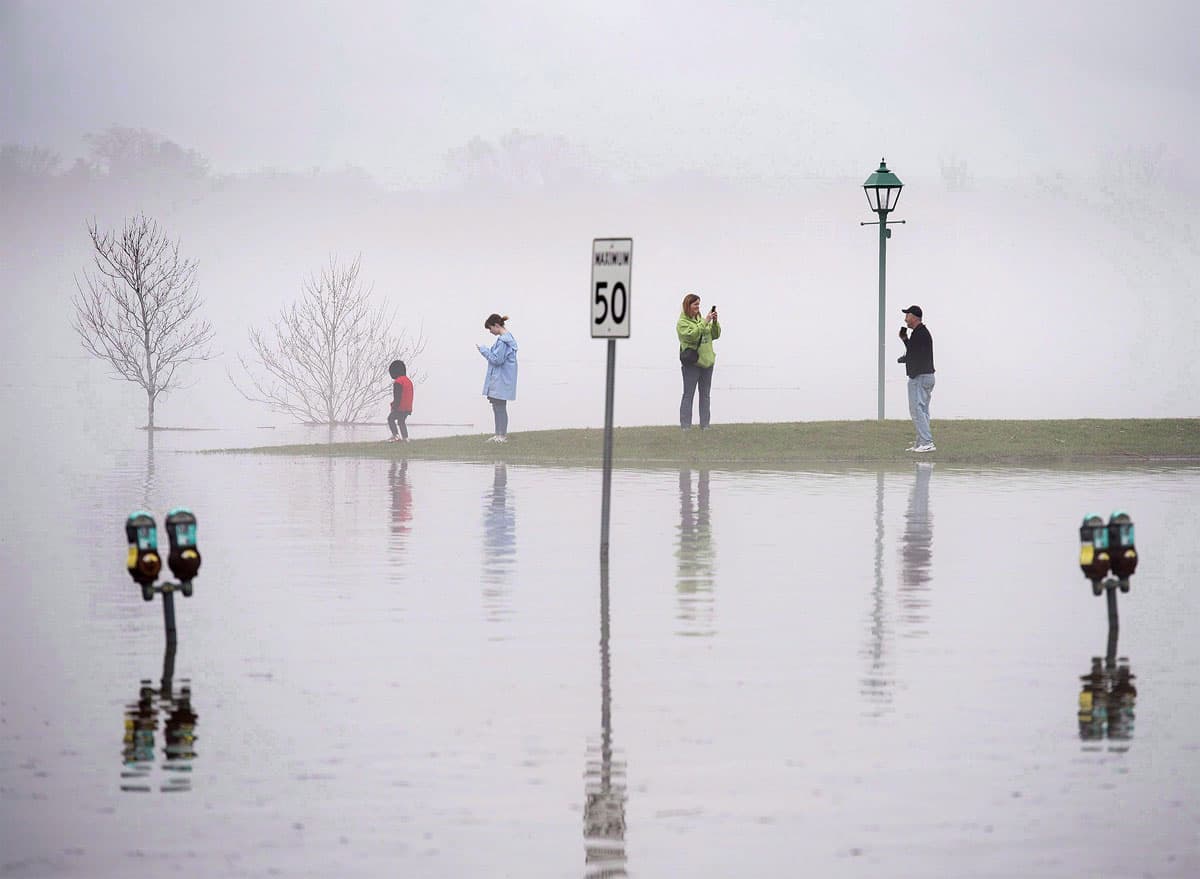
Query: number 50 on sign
[612, 264]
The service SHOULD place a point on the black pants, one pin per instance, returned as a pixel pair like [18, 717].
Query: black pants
[398, 419]
[694, 376]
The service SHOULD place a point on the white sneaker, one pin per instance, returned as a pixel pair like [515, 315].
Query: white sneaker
[911, 447]
[501, 439]
[926, 447]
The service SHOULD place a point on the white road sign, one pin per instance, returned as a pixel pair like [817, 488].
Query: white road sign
[612, 263]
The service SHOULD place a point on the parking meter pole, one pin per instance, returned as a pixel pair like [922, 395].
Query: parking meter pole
[1114, 625]
[169, 617]
[606, 490]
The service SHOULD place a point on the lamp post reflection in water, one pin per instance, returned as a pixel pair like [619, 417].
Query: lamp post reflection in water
[694, 580]
[604, 779]
[499, 546]
[877, 682]
[179, 734]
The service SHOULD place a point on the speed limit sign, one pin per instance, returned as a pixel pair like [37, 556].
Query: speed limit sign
[612, 262]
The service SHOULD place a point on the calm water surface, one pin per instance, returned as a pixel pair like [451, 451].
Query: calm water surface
[418, 668]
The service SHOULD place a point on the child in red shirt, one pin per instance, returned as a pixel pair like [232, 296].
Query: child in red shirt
[402, 401]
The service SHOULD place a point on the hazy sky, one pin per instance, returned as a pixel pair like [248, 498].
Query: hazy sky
[763, 96]
[737, 90]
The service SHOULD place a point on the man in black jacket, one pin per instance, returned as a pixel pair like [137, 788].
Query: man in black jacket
[918, 363]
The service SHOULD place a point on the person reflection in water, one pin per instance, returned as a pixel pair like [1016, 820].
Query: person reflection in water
[499, 546]
[916, 554]
[401, 501]
[400, 524]
[694, 581]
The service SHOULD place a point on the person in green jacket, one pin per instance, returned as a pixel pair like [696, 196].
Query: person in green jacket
[697, 333]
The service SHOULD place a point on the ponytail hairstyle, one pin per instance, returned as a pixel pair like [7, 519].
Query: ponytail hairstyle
[493, 319]
[397, 369]
[688, 300]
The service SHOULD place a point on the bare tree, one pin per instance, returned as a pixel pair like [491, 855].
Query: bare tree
[326, 356]
[522, 161]
[129, 154]
[139, 311]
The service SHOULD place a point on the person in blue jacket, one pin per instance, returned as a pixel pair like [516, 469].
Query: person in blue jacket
[500, 383]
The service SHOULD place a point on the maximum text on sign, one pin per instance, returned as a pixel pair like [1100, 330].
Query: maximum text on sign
[612, 265]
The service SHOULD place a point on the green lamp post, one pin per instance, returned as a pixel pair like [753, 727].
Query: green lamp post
[883, 191]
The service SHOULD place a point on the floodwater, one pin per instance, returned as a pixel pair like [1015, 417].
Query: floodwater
[420, 668]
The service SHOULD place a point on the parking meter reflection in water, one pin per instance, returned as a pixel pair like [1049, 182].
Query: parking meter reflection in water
[142, 559]
[184, 558]
[1094, 558]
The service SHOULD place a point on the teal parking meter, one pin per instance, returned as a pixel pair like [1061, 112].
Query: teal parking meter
[1094, 558]
[1121, 543]
[142, 560]
[184, 557]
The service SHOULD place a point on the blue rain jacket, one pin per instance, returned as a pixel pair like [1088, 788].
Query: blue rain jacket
[501, 379]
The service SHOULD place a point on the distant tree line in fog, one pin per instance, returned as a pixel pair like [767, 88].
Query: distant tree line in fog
[516, 160]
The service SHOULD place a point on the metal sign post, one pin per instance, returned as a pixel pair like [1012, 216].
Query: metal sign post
[609, 296]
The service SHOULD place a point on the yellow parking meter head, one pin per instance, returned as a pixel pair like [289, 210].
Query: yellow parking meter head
[142, 559]
[1094, 558]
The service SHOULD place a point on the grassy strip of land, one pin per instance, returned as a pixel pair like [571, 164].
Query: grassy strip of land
[817, 443]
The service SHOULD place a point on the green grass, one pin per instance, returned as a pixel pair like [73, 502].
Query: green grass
[800, 444]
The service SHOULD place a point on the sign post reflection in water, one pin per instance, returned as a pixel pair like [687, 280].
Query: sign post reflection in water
[609, 295]
[604, 785]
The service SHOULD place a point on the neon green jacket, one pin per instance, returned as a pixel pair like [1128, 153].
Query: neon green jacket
[692, 330]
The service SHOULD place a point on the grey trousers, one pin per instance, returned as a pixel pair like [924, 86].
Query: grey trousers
[693, 377]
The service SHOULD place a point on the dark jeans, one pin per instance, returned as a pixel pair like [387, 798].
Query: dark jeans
[398, 419]
[500, 412]
[693, 376]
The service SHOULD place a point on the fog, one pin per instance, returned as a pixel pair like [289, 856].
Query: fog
[470, 156]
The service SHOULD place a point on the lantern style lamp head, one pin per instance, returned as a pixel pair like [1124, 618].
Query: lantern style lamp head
[883, 189]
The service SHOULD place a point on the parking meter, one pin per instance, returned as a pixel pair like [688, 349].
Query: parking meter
[1094, 559]
[143, 560]
[1120, 540]
[184, 558]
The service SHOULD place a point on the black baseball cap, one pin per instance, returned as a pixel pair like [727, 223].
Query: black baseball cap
[914, 310]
